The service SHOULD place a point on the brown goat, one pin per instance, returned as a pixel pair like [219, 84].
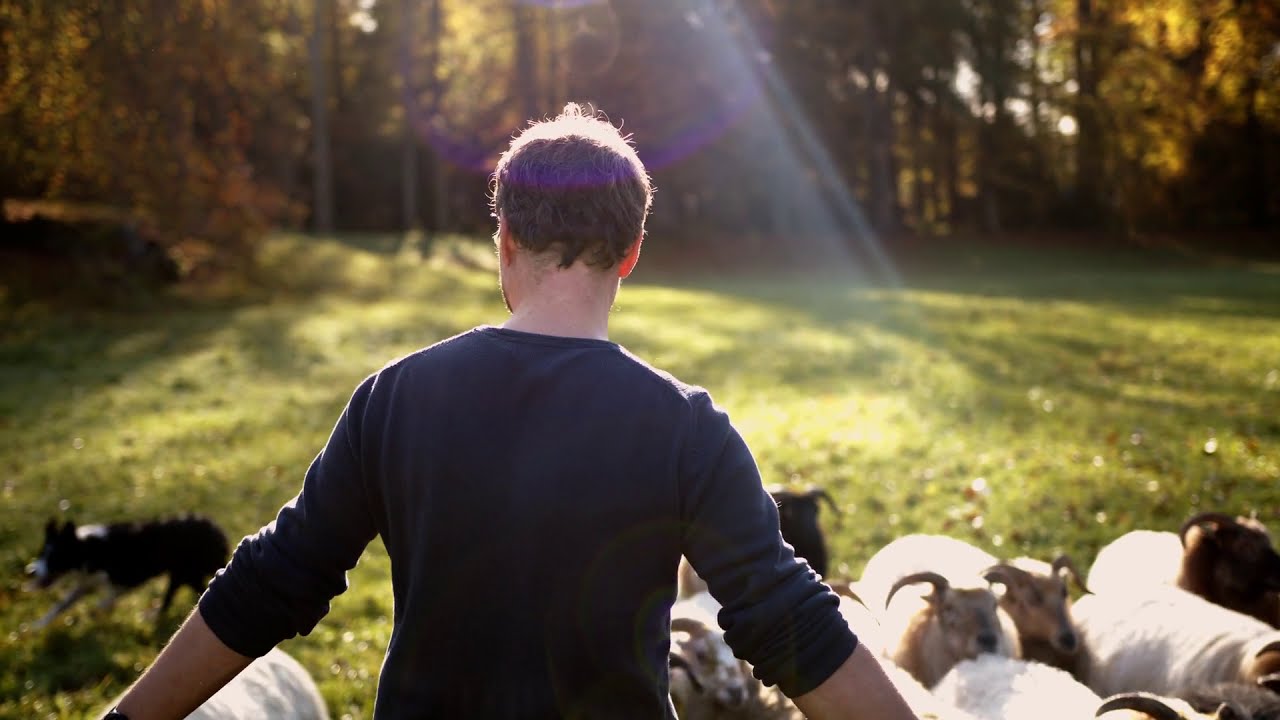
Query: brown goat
[956, 624]
[1230, 561]
[1037, 600]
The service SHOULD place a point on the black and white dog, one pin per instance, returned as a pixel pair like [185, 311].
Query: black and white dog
[123, 556]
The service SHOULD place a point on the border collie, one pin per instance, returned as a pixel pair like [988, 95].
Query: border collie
[123, 556]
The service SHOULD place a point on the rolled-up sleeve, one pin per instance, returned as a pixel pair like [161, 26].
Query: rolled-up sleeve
[280, 581]
[776, 614]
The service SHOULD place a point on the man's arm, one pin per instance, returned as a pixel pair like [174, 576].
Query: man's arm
[278, 583]
[859, 690]
[194, 666]
[776, 614]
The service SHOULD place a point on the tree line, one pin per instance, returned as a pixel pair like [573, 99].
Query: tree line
[217, 119]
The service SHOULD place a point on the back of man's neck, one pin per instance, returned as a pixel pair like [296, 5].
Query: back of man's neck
[565, 306]
[558, 326]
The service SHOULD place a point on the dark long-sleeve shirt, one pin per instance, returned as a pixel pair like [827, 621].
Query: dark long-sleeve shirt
[534, 494]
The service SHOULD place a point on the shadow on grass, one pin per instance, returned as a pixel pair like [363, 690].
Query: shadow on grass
[71, 659]
[55, 353]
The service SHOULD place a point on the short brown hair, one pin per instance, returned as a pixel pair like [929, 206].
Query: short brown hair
[576, 184]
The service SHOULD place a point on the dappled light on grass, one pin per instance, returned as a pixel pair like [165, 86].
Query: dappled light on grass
[1012, 404]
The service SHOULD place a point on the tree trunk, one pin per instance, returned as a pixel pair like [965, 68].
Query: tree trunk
[1088, 142]
[1040, 139]
[439, 204]
[919, 196]
[525, 76]
[1256, 193]
[409, 145]
[948, 171]
[322, 209]
[555, 57]
[878, 127]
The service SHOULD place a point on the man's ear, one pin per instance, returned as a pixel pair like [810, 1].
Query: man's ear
[506, 244]
[629, 260]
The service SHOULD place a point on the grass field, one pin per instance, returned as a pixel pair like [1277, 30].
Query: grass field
[1028, 401]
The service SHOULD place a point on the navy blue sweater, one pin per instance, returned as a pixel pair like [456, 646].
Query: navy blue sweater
[534, 494]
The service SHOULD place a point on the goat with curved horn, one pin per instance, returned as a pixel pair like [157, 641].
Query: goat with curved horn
[1064, 562]
[1216, 518]
[1005, 574]
[940, 584]
[1146, 703]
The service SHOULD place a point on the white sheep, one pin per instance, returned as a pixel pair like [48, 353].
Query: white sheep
[1227, 560]
[1003, 688]
[991, 687]
[1167, 641]
[959, 561]
[273, 686]
[1137, 559]
[923, 703]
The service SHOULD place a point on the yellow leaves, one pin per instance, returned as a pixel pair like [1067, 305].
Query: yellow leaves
[1230, 63]
[1173, 25]
[1220, 34]
[1156, 111]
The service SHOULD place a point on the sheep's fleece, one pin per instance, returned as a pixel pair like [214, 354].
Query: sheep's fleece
[1166, 642]
[273, 686]
[1001, 688]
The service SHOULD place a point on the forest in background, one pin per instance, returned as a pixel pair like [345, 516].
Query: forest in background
[211, 121]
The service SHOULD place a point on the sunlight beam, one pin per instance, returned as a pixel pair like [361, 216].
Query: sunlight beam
[831, 214]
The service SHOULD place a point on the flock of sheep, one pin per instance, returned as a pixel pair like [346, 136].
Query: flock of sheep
[1171, 626]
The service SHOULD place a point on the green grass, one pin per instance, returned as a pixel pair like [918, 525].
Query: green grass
[1028, 401]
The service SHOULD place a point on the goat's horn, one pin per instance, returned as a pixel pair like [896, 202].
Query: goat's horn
[822, 494]
[845, 589]
[1201, 518]
[689, 625]
[678, 661]
[1064, 562]
[1142, 702]
[819, 493]
[1226, 712]
[1003, 573]
[940, 584]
